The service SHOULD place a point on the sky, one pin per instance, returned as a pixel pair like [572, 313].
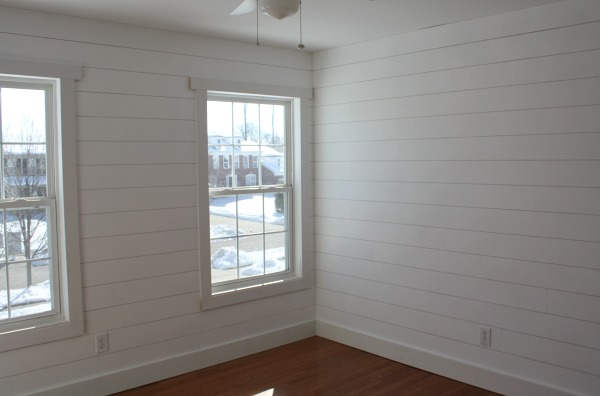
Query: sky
[19, 106]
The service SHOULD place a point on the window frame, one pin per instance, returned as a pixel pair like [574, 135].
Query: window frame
[68, 322]
[297, 278]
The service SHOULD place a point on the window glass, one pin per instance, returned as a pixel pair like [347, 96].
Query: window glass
[249, 231]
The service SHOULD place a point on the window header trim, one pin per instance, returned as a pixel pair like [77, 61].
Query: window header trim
[250, 88]
[20, 67]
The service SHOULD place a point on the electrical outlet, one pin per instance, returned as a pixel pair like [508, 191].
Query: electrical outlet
[102, 343]
[485, 336]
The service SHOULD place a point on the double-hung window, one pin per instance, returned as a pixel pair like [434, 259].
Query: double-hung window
[251, 238]
[40, 296]
[249, 208]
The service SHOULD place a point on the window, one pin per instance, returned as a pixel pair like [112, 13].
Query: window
[249, 225]
[40, 295]
[252, 246]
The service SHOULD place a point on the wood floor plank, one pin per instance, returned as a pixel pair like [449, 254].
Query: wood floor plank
[314, 366]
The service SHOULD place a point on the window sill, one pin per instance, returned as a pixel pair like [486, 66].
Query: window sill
[238, 296]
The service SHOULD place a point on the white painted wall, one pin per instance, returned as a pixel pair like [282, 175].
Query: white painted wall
[138, 220]
[457, 185]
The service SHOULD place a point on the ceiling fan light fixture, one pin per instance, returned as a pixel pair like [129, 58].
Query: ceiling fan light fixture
[279, 9]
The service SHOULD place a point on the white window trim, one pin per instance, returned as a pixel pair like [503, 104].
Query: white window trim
[70, 323]
[301, 261]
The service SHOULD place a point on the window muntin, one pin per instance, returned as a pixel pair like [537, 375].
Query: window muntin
[249, 221]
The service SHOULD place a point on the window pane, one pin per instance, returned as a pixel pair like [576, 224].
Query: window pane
[26, 234]
[252, 253]
[23, 115]
[246, 122]
[250, 213]
[223, 213]
[273, 165]
[275, 212]
[272, 124]
[219, 166]
[275, 252]
[220, 119]
[223, 257]
[24, 170]
[30, 290]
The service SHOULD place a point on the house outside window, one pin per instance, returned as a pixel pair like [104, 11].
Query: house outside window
[40, 290]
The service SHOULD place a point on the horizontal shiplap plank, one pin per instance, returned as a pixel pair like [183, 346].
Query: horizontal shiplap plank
[523, 122]
[132, 268]
[574, 305]
[376, 286]
[539, 224]
[552, 251]
[545, 95]
[131, 199]
[102, 129]
[124, 246]
[560, 67]
[524, 173]
[125, 153]
[145, 311]
[132, 83]
[532, 198]
[124, 223]
[120, 293]
[388, 279]
[512, 148]
[566, 39]
[386, 257]
[128, 176]
[91, 104]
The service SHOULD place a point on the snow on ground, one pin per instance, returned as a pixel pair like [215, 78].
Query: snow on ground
[21, 299]
[226, 258]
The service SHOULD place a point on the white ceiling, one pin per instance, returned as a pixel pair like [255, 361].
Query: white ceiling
[326, 23]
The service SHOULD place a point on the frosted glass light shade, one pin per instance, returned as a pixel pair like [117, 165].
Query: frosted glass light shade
[279, 9]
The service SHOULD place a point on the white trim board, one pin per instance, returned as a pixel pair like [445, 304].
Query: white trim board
[109, 383]
[482, 377]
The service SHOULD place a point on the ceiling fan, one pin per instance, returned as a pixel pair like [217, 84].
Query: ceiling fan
[278, 9]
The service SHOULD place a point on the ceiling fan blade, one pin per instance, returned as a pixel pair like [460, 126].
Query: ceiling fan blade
[245, 7]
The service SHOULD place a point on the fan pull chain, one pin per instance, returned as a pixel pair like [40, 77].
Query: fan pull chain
[257, 7]
[300, 46]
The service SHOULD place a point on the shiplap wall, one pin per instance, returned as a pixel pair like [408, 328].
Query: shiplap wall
[137, 190]
[457, 185]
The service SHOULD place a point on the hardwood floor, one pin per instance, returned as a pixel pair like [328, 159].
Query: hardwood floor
[315, 366]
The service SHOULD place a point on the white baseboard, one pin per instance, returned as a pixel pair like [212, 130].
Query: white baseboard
[109, 383]
[482, 377]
